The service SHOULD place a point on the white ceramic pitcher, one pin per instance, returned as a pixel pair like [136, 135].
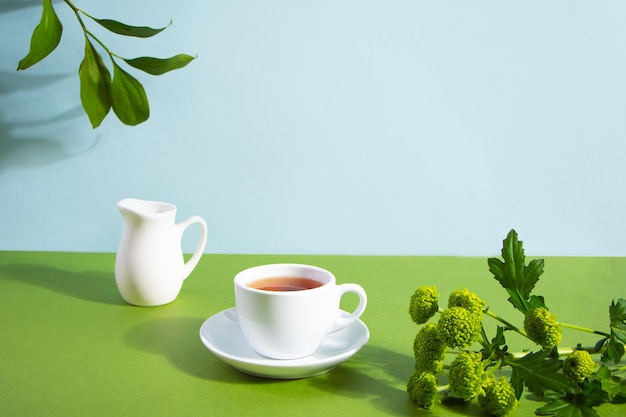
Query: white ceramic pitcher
[149, 266]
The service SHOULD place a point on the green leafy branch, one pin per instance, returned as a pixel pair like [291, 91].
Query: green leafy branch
[99, 92]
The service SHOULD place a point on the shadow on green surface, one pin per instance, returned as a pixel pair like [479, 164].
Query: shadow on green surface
[95, 286]
[178, 340]
[380, 375]
[375, 373]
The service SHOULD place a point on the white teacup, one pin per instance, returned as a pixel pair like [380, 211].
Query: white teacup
[290, 323]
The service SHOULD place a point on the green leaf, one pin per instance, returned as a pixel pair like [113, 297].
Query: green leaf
[498, 343]
[559, 407]
[95, 85]
[579, 404]
[592, 394]
[612, 385]
[539, 372]
[158, 66]
[515, 276]
[129, 99]
[128, 30]
[615, 347]
[614, 351]
[45, 37]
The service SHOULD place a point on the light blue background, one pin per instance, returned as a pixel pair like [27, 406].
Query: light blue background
[331, 127]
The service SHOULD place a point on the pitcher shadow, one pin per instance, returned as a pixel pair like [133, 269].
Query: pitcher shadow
[94, 286]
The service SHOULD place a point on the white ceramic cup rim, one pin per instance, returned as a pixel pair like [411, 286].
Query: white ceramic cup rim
[247, 276]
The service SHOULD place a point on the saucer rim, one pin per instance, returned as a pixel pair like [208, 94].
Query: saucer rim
[308, 366]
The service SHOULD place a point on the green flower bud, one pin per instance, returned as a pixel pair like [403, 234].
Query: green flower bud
[424, 304]
[465, 375]
[579, 365]
[458, 327]
[542, 328]
[468, 300]
[422, 389]
[497, 397]
[428, 350]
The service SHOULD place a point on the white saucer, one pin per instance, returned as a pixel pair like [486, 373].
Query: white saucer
[222, 335]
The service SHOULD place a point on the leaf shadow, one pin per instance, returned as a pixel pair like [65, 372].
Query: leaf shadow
[374, 373]
[18, 81]
[94, 286]
[24, 140]
[11, 5]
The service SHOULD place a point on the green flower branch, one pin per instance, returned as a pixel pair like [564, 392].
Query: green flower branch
[99, 92]
[568, 379]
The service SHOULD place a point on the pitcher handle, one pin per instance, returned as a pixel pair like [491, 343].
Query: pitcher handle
[193, 261]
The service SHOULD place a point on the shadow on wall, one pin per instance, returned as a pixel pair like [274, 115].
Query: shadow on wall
[30, 118]
[26, 142]
[11, 5]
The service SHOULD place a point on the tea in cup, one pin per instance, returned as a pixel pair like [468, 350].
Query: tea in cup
[286, 310]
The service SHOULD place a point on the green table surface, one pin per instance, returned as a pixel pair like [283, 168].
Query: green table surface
[70, 346]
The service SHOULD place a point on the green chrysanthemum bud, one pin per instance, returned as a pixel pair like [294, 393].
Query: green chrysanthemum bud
[458, 327]
[542, 328]
[466, 375]
[497, 397]
[468, 300]
[422, 389]
[424, 304]
[579, 365]
[428, 350]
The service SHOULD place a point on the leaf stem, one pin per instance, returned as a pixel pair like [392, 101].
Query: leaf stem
[484, 340]
[87, 32]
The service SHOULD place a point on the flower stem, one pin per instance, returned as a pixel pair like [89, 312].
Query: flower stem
[620, 369]
[583, 329]
[508, 325]
[441, 388]
[494, 366]
[562, 351]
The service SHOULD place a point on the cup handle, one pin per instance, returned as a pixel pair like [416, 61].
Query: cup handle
[193, 261]
[342, 322]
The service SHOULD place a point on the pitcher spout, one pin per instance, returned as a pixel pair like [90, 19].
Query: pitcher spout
[133, 207]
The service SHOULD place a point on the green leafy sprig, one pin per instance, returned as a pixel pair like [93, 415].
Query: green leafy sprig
[99, 92]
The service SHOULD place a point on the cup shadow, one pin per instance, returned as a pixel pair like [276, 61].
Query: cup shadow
[178, 340]
[94, 286]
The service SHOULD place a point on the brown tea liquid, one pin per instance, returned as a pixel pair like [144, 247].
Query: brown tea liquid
[285, 284]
